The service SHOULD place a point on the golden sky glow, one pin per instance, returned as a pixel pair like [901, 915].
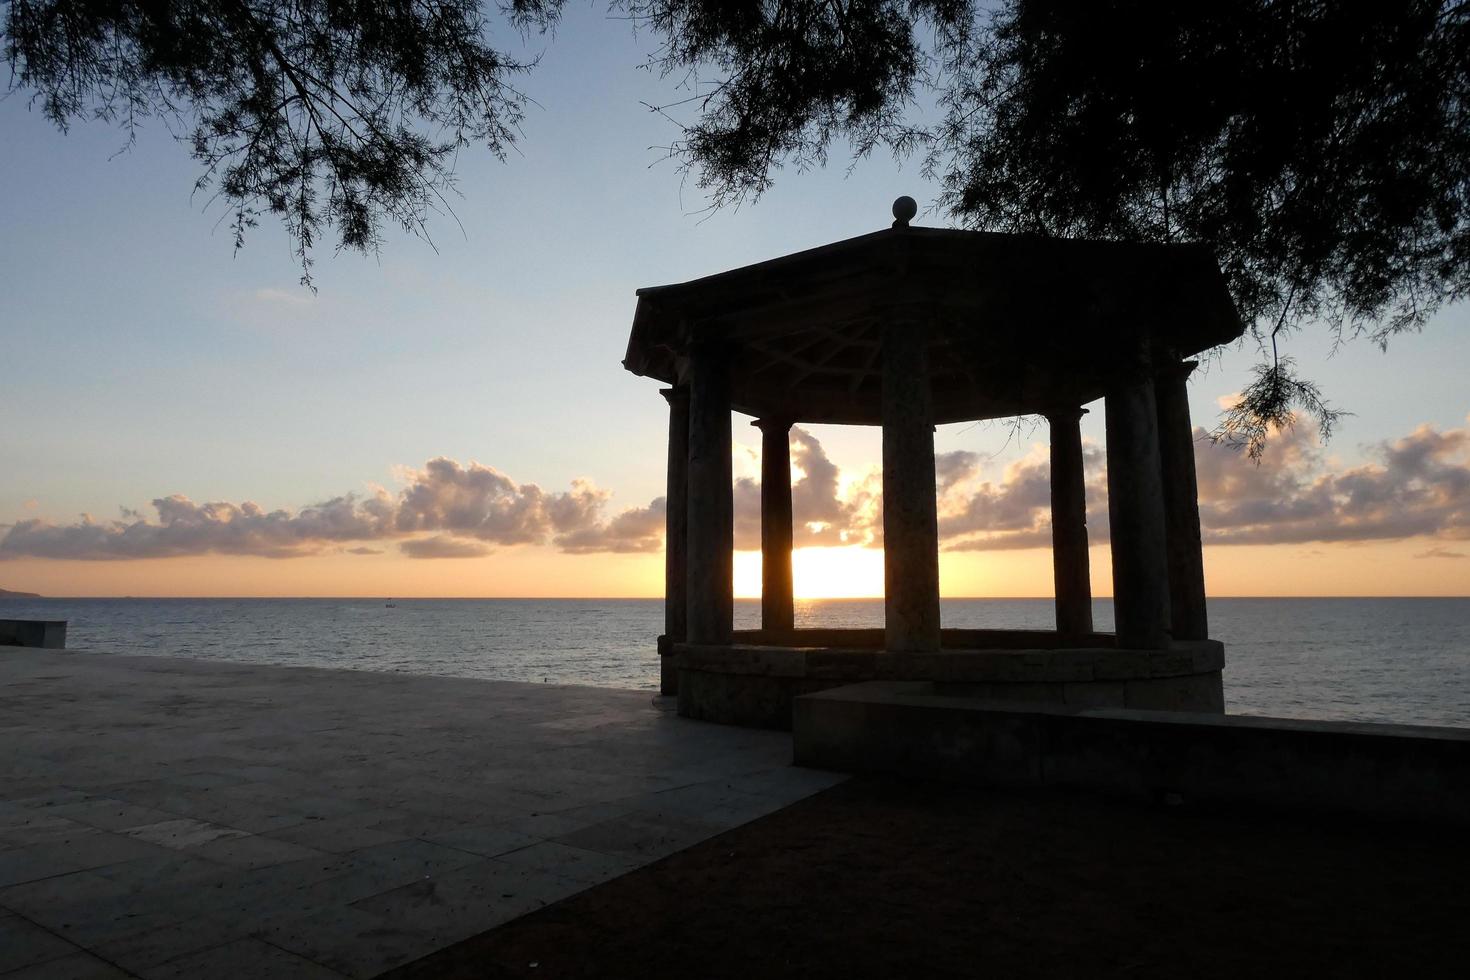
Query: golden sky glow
[1388, 568]
[818, 573]
[1393, 524]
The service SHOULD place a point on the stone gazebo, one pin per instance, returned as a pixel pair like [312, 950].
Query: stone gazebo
[908, 328]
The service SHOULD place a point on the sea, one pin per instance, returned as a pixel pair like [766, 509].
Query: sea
[1400, 660]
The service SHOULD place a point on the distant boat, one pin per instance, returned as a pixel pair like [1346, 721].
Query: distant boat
[391, 604]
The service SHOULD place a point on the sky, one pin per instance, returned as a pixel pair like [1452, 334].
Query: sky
[453, 420]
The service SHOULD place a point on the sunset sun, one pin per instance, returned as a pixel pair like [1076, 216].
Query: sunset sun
[819, 573]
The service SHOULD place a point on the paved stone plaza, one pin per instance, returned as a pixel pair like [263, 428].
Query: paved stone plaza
[175, 818]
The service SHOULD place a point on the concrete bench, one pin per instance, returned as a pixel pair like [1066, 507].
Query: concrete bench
[905, 728]
[49, 633]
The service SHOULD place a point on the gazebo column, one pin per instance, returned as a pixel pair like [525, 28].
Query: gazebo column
[1181, 502]
[778, 607]
[710, 571]
[910, 520]
[1136, 515]
[676, 536]
[1070, 563]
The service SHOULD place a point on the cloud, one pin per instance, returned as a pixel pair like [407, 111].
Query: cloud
[953, 468]
[481, 502]
[637, 529]
[186, 528]
[441, 546]
[981, 515]
[820, 515]
[1414, 486]
[1417, 486]
[747, 500]
[1014, 512]
[470, 508]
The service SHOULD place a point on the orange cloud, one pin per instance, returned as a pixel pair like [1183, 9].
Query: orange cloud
[1417, 486]
[469, 509]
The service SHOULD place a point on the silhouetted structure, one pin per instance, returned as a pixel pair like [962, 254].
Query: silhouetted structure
[906, 328]
[48, 633]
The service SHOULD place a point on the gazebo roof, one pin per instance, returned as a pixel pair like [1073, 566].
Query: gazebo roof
[1019, 324]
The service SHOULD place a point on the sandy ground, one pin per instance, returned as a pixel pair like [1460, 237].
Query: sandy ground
[886, 879]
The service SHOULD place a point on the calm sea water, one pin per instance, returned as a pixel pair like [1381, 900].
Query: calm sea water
[1400, 660]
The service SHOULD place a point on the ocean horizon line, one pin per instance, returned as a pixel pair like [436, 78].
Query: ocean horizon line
[650, 598]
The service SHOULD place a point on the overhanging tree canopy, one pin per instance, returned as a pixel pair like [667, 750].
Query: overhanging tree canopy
[1321, 148]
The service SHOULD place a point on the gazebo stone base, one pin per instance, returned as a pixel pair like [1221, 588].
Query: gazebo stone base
[753, 685]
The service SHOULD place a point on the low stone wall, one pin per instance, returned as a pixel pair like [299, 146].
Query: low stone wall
[754, 686]
[48, 633]
[871, 638]
[1396, 771]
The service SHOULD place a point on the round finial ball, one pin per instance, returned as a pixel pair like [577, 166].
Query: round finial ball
[904, 210]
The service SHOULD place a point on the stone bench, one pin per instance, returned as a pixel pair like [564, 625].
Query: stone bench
[754, 685]
[49, 633]
[911, 729]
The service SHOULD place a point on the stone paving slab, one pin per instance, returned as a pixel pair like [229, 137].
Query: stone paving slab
[165, 818]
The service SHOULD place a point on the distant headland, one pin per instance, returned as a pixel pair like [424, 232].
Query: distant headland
[7, 594]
